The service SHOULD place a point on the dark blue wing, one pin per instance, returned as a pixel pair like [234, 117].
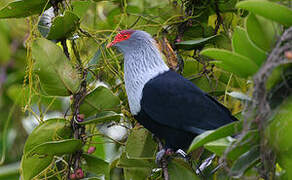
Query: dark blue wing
[172, 100]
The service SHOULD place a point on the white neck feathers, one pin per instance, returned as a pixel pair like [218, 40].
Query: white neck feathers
[141, 65]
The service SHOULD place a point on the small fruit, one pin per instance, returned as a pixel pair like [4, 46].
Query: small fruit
[73, 176]
[79, 173]
[91, 150]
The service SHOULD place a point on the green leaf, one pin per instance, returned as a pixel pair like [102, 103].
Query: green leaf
[50, 130]
[61, 147]
[262, 32]
[269, 10]
[245, 161]
[57, 76]
[93, 61]
[130, 167]
[250, 139]
[242, 45]
[219, 146]
[100, 99]
[33, 166]
[227, 6]
[178, 169]
[102, 117]
[96, 165]
[232, 62]
[140, 145]
[80, 7]
[63, 26]
[136, 173]
[126, 162]
[23, 8]
[212, 135]
[193, 44]
[20, 95]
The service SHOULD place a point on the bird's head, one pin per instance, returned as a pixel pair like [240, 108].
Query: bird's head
[129, 40]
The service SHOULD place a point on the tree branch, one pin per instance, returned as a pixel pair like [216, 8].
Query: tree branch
[65, 48]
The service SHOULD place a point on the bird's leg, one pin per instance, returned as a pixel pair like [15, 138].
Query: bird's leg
[161, 159]
[168, 152]
[182, 153]
[207, 162]
[159, 156]
[163, 153]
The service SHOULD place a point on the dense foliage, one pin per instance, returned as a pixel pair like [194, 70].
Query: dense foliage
[64, 110]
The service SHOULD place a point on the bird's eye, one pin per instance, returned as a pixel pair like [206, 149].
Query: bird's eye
[125, 36]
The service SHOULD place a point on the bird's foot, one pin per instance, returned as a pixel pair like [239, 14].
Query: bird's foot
[181, 153]
[163, 153]
[207, 162]
[168, 152]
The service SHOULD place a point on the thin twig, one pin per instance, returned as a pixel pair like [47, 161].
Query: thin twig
[65, 48]
[219, 18]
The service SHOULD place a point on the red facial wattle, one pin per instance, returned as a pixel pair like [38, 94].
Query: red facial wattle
[122, 36]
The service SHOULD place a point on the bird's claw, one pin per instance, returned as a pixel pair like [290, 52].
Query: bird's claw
[168, 153]
[181, 153]
[159, 156]
[163, 153]
[205, 164]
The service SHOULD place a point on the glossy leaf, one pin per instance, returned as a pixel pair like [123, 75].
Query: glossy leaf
[57, 76]
[212, 135]
[250, 139]
[178, 169]
[219, 146]
[136, 173]
[80, 7]
[136, 168]
[20, 95]
[96, 165]
[262, 32]
[63, 26]
[100, 99]
[140, 144]
[245, 161]
[232, 62]
[61, 147]
[50, 130]
[106, 116]
[33, 166]
[269, 10]
[242, 45]
[193, 44]
[94, 61]
[126, 162]
[23, 8]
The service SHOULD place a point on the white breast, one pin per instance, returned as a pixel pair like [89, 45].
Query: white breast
[140, 66]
